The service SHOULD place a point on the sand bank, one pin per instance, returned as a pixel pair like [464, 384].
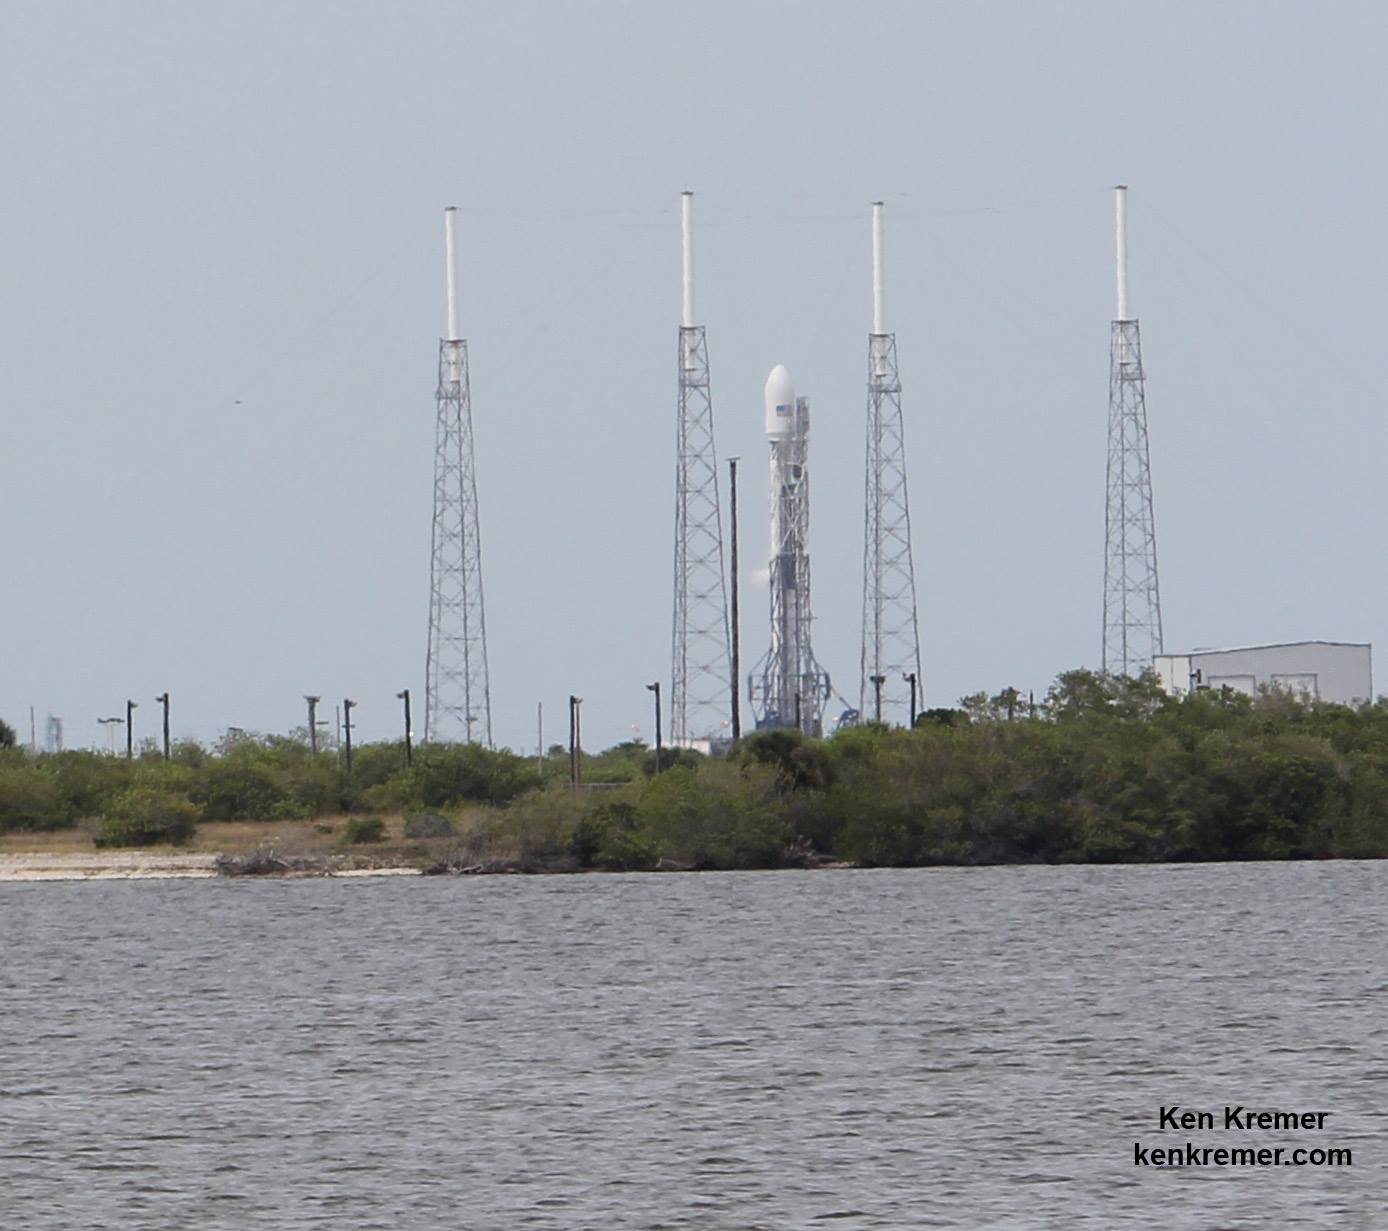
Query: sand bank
[142, 865]
[105, 865]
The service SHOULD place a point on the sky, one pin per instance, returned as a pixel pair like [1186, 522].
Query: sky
[221, 292]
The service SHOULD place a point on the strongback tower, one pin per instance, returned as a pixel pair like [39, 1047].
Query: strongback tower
[699, 643]
[1132, 601]
[891, 638]
[791, 687]
[458, 703]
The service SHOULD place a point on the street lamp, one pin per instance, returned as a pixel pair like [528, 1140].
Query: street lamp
[575, 740]
[347, 707]
[404, 696]
[312, 722]
[736, 646]
[910, 678]
[110, 725]
[130, 708]
[655, 688]
[163, 699]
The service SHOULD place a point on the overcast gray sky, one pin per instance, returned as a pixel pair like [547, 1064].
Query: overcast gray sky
[221, 293]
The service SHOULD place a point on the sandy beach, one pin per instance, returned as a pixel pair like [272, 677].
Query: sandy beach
[136, 865]
[104, 865]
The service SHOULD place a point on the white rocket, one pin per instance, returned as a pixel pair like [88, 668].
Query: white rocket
[792, 687]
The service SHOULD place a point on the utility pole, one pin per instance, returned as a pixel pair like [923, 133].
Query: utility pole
[732, 579]
[404, 695]
[911, 679]
[347, 707]
[1132, 599]
[655, 688]
[575, 744]
[877, 682]
[163, 700]
[312, 722]
[130, 708]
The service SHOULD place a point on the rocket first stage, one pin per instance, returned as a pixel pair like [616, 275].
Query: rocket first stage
[791, 688]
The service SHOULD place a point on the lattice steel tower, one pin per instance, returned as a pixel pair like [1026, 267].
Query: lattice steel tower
[458, 703]
[891, 637]
[1132, 601]
[699, 644]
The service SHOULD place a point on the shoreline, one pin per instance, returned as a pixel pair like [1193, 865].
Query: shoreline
[152, 865]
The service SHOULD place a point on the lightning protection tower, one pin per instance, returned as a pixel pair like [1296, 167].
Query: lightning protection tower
[699, 653]
[458, 703]
[891, 650]
[1132, 601]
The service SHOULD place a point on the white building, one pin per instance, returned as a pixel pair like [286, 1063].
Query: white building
[1339, 671]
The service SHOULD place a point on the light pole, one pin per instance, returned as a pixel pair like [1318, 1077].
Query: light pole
[163, 699]
[130, 708]
[347, 707]
[404, 696]
[110, 726]
[910, 678]
[877, 682]
[312, 722]
[655, 688]
[736, 635]
[575, 739]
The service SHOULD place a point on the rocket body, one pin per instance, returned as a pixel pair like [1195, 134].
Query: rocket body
[791, 686]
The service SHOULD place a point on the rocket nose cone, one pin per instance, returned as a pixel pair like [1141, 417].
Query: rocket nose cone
[780, 402]
[780, 389]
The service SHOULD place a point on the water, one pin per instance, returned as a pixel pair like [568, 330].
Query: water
[947, 1048]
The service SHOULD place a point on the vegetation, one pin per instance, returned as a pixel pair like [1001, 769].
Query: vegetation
[1100, 770]
[361, 829]
[146, 816]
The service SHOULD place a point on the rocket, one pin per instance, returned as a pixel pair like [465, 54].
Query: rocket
[792, 686]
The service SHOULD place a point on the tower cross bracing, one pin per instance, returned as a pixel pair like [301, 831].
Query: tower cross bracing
[458, 705]
[891, 649]
[891, 634]
[700, 654]
[1132, 634]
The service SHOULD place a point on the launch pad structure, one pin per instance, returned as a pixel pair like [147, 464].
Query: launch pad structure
[699, 684]
[457, 699]
[1132, 635]
[890, 663]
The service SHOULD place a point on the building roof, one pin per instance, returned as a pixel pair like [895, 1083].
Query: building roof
[1266, 645]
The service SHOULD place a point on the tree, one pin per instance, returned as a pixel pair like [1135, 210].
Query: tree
[7, 736]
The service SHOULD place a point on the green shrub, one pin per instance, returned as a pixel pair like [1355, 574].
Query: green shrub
[240, 786]
[31, 797]
[89, 781]
[428, 825]
[542, 824]
[720, 816]
[362, 829]
[446, 774]
[147, 816]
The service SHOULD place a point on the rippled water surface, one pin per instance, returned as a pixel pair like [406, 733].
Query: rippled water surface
[945, 1048]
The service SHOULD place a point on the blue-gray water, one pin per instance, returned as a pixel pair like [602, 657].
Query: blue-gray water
[950, 1048]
